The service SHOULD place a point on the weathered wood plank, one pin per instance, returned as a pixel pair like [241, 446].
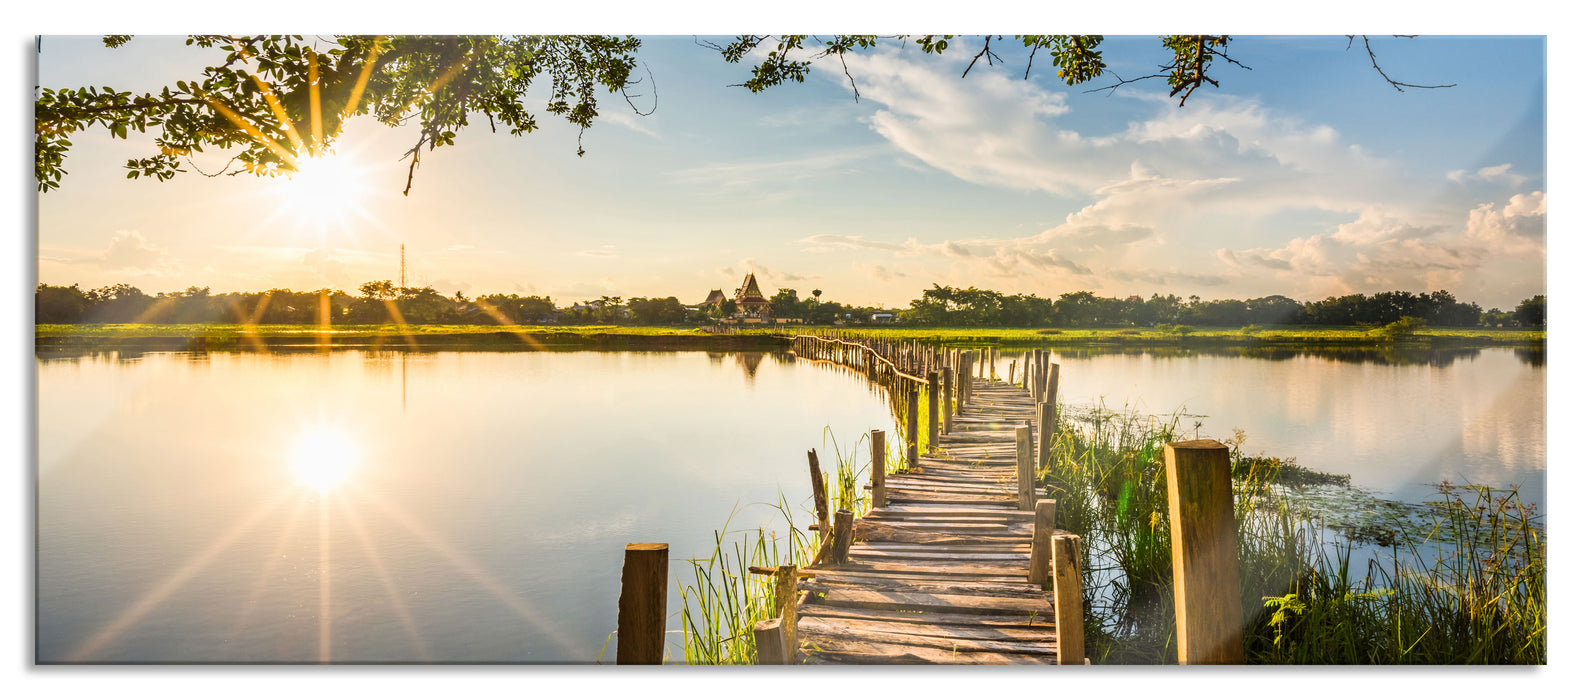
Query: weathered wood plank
[1038, 624]
[821, 635]
[936, 567]
[921, 628]
[961, 588]
[854, 651]
[850, 574]
[935, 602]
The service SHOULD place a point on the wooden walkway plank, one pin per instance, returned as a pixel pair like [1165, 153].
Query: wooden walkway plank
[939, 573]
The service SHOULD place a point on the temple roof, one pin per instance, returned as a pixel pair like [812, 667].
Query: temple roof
[715, 298]
[749, 292]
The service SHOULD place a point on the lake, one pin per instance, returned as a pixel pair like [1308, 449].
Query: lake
[472, 507]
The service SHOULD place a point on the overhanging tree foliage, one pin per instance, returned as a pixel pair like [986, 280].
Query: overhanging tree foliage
[272, 100]
[278, 99]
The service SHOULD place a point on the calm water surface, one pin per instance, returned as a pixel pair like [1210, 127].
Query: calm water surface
[1397, 425]
[473, 506]
[362, 507]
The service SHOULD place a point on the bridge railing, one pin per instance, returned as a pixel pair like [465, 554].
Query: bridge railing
[1203, 535]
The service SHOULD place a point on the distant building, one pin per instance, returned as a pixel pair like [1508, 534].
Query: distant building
[751, 306]
[750, 301]
[883, 318]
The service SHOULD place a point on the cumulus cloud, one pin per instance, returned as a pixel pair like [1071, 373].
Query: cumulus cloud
[1377, 251]
[1518, 226]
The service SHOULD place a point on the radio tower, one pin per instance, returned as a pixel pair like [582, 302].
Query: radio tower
[403, 266]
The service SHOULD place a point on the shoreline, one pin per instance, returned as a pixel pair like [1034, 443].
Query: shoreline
[199, 337]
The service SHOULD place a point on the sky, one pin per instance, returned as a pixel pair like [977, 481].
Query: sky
[1304, 174]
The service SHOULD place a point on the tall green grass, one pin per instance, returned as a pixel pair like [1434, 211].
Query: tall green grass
[725, 599]
[1467, 588]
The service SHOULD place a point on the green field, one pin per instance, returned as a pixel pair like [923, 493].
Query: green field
[237, 330]
[1280, 335]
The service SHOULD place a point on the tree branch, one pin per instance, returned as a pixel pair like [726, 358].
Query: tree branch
[986, 52]
[1375, 59]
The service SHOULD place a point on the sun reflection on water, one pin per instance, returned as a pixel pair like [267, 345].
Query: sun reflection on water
[322, 458]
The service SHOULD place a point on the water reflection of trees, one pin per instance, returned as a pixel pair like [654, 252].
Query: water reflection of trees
[1393, 355]
[1537, 357]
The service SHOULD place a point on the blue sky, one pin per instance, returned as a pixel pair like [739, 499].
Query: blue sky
[1306, 176]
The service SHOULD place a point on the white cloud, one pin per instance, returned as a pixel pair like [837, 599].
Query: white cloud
[1519, 226]
[1495, 173]
[1161, 192]
[1377, 252]
[129, 251]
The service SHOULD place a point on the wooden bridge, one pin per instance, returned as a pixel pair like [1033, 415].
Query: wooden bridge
[943, 569]
[958, 561]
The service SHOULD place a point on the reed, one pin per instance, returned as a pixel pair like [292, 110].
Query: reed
[725, 600]
[1467, 588]
[719, 608]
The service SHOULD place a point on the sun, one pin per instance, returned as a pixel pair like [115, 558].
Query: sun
[329, 188]
[322, 458]
[326, 202]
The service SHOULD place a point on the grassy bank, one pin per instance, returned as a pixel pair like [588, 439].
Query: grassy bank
[1181, 335]
[392, 336]
[1271, 341]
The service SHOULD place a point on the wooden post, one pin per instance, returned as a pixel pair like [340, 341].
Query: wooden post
[1012, 378]
[1046, 433]
[770, 638]
[1066, 549]
[1203, 553]
[933, 411]
[948, 396]
[967, 384]
[820, 495]
[911, 425]
[640, 621]
[785, 603]
[841, 537]
[876, 469]
[1052, 385]
[1043, 528]
[1037, 373]
[1024, 468]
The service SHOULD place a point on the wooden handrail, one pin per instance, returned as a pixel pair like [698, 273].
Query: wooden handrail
[893, 368]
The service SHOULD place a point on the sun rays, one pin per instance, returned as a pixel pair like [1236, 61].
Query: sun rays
[319, 470]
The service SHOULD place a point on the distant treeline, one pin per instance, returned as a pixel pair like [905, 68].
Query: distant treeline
[384, 302]
[950, 306]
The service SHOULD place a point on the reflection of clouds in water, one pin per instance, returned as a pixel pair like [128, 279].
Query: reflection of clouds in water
[1510, 430]
[1393, 426]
